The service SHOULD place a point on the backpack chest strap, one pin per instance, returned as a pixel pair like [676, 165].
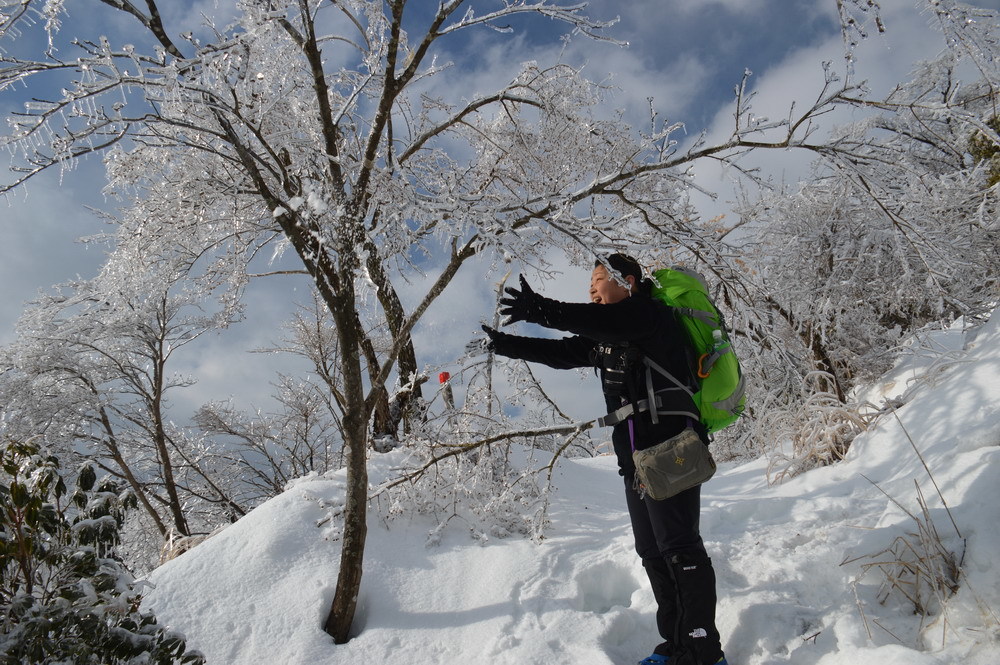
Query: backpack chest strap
[653, 397]
[630, 409]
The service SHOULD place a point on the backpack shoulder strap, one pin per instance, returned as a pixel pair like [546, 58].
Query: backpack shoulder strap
[651, 366]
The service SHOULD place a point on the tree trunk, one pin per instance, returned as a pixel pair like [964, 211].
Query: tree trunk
[407, 361]
[160, 436]
[825, 363]
[812, 341]
[345, 599]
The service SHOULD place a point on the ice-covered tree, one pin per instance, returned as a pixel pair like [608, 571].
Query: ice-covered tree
[899, 230]
[895, 230]
[304, 434]
[91, 375]
[334, 130]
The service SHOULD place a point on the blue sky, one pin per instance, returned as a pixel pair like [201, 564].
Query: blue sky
[686, 54]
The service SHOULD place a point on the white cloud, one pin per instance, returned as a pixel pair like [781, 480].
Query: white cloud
[880, 61]
[635, 78]
[651, 10]
[41, 224]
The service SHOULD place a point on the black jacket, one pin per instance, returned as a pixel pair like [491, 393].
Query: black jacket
[604, 335]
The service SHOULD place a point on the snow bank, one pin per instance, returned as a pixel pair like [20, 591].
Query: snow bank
[258, 592]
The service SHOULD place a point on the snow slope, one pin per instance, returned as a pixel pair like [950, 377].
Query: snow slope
[258, 592]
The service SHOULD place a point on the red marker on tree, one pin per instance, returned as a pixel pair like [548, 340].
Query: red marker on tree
[444, 378]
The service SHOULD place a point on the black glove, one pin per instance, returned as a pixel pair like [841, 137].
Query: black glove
[491, 338]
[523, 305]
[487, 344]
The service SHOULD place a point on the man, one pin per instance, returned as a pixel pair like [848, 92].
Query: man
[613, 332]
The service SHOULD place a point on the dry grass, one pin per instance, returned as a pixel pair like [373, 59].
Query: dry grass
[821, 431]
[917, 567]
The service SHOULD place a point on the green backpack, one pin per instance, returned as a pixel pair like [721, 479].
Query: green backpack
[720, 396]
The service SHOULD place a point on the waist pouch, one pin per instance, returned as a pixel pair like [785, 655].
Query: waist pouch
[670, 467]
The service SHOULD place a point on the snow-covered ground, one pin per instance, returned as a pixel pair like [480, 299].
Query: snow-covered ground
[257, 593]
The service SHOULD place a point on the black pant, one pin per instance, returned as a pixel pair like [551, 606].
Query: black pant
[667, 539]
[667, 527]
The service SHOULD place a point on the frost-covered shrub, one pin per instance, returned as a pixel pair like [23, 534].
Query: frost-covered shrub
[815, 432]
[64, 597]
[484, 467]
[895, 231]
[489, 492]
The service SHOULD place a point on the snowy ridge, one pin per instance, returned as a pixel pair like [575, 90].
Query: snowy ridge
[258, 591]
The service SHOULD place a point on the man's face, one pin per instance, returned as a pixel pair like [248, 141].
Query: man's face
[604, 290]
